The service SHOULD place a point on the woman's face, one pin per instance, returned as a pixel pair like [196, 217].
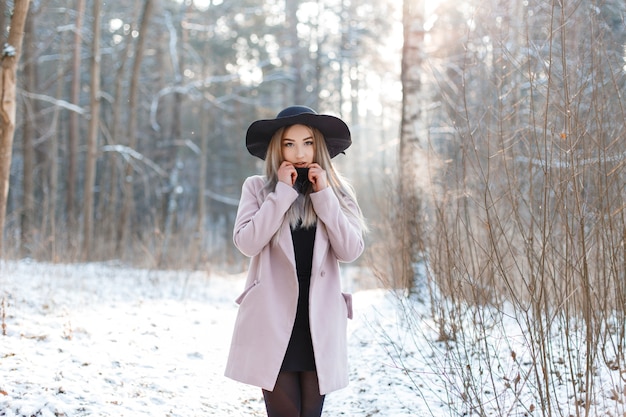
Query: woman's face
[298, 146]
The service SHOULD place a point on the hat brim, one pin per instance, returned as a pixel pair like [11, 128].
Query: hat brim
[335, 131]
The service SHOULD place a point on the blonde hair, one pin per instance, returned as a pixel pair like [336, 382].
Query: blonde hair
[302, 209]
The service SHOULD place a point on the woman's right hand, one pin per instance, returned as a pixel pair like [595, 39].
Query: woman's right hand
[287, 173]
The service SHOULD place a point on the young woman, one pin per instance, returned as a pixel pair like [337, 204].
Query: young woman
[296, 223]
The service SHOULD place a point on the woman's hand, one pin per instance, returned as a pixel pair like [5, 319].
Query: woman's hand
[318, 178]
[287, 173]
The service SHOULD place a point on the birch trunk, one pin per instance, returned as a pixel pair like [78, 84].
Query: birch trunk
[413, 20]
[171, 197]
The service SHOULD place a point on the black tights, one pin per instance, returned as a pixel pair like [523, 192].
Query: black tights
[296, 394]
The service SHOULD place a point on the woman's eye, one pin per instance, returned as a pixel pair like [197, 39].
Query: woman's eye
[309, 143]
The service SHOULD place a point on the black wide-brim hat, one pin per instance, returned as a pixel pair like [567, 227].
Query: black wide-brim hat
[334, 129]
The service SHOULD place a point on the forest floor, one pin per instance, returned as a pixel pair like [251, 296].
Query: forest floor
[105, 340]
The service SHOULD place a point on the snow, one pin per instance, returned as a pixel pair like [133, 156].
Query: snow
[108, 340]
[8, 50]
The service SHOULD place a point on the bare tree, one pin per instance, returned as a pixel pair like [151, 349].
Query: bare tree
[409, 202]
[29, 133]
[230, 89]
[526, 208]
[128, 195]
[176, 134]
[204, 157]
[8, 74]
[54, 165]
[74, 127]
[109, 203]
[92, 139]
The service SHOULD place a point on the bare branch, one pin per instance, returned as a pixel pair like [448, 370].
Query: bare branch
[172, 45]
[55, 101]
[184, 89]
[129, 153]
[567, 164]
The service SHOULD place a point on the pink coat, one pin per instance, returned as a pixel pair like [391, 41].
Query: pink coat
[267, 306]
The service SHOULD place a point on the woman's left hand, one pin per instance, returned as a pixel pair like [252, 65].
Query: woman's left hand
[318, 178]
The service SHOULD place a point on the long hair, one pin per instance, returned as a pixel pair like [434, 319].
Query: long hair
[301, 211]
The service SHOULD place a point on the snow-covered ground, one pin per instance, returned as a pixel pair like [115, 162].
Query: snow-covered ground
[104, 340]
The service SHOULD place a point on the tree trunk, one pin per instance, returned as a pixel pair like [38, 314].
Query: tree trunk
[109, 207]
[171, 197]
[205, 131]
[8, 74]
[27, 214]
[128, 194]
[413, 20]
[53, 172]
[74, 128]
[92, 138]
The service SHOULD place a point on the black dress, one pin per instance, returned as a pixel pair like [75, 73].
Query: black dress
[299, 355]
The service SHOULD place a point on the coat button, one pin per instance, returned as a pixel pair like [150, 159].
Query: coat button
[323, 273]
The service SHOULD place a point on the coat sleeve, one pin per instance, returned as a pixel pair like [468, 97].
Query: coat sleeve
[257, 221]
[344, 233]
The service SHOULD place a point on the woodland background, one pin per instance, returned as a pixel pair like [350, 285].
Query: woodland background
[489, 157]
[488, 136]
[156, 181]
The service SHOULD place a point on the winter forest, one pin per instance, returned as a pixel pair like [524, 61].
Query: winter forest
[176, 84]
[488, 156]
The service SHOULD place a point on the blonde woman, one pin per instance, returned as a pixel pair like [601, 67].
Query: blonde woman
[296, 223]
